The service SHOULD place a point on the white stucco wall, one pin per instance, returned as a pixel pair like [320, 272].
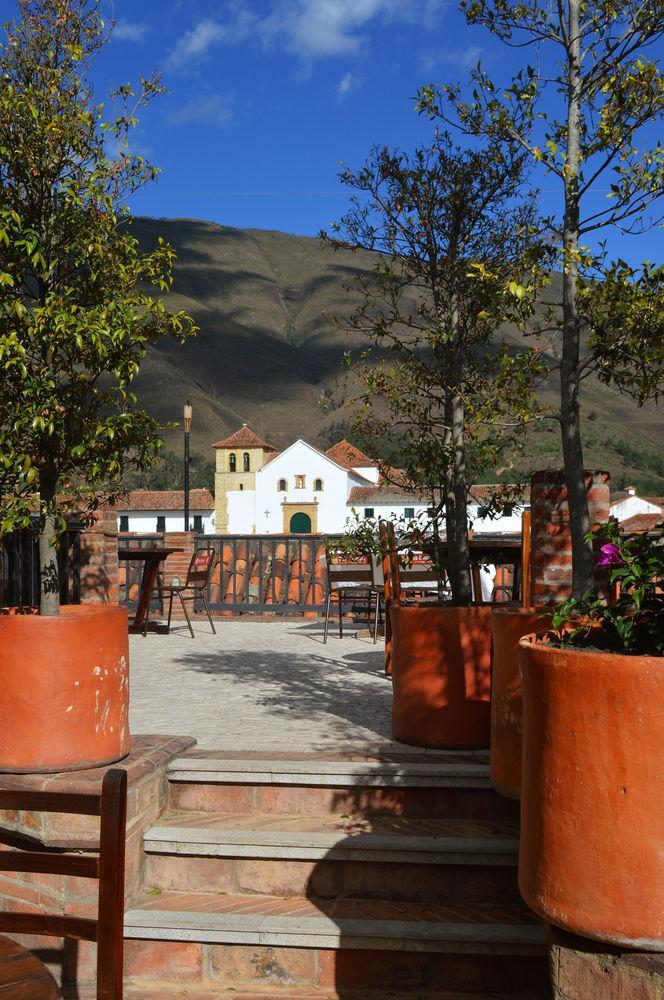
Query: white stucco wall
[507, 524]
[632, 505]
[302, 460]
[241, 512]
[145, 521]
[369, 472]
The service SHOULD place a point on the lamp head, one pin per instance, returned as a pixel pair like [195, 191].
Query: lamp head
[187, 416]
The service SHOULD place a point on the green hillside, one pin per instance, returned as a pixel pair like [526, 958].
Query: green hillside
[268, 351]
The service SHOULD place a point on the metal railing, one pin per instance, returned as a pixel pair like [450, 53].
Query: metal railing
[263, 573]
[129, 573]
[19, 567]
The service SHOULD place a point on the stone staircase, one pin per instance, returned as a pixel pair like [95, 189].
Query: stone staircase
[333, 876]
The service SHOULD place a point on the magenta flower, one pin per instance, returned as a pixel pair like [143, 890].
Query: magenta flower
[609, 555]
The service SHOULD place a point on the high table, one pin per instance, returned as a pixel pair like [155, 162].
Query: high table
[151, 559]
[22, 974]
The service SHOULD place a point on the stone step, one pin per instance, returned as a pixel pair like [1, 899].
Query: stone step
[416, 784]
[347, 945]
[402, 859]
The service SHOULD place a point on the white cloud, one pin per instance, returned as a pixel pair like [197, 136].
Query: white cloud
[213, 110]
[347, 84]
[195, 43]
[312, 29]
[129, 31]
[317, 28]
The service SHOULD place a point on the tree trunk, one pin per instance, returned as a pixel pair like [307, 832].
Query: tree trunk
[463, 594]
[49, 578]
[450, 505]
[582, 554]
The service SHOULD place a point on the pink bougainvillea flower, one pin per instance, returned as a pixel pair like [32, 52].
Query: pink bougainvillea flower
[609, 555]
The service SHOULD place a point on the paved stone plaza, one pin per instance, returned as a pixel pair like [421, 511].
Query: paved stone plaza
[259, 685]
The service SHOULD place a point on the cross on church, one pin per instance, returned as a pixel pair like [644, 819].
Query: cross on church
[267, 513]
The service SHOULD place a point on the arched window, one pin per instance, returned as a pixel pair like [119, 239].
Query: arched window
[318, 485]
[245, 461]
[283, 486]
[231, 462]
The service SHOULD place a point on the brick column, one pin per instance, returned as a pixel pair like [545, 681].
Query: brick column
[177, 564]
[99, 559]
[588, 970]
[551, 540]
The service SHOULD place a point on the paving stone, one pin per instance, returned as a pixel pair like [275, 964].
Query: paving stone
[261, 685]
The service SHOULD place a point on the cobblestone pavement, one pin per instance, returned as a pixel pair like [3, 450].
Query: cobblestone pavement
[259, 685]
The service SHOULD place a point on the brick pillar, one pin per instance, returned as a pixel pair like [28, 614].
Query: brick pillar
[99, 559]
[177, 564]
[551, 540]
[588, 970]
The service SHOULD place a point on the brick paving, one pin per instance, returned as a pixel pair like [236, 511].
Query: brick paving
[261, 685]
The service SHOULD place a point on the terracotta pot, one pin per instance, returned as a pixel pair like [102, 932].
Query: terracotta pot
[64, 689]
[508, 626]
[441, 670]
[592, 801]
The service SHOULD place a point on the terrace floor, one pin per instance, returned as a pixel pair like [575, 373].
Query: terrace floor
[262, 685]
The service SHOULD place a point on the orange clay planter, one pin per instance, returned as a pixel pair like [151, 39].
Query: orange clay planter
[508, 626]
[64, 689]
[441, 672]
[592, 802]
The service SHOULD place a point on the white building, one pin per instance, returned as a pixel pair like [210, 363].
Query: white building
[155, 511]
[626, 504]
[302, 490]
[392, 503]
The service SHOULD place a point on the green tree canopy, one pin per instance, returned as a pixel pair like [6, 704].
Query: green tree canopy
[455, 260]
[78, 299]
[594, 61]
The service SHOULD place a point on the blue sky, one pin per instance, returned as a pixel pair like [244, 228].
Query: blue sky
[267, 99]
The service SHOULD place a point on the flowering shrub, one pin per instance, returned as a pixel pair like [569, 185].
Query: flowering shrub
[633, 623]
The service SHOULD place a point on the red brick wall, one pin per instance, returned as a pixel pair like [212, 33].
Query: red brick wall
[99, 559]
[551, 542]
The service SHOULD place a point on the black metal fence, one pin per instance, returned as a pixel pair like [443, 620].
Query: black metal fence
[264, 573]
[130, 572]
[19, 567]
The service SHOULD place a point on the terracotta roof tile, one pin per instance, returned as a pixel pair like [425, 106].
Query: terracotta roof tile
[244, 438]
[640, 523]
[166, 500]
[347, 455]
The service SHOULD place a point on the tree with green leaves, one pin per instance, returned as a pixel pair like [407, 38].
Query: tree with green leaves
[455, 261]
[582, 110]
[76, 311]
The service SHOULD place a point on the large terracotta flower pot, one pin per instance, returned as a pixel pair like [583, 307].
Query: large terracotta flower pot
[508, 626]
[441, 672]
[64, 689]
[592, 800]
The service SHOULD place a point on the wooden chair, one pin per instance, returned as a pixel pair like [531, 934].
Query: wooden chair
[107, 930]
[345, 576]
[196, 585]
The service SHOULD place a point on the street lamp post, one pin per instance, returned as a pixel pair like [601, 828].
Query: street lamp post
[187, 429]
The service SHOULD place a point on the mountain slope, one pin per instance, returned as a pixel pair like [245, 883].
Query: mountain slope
[269, 347]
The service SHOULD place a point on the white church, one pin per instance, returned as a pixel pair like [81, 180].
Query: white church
[303, 490]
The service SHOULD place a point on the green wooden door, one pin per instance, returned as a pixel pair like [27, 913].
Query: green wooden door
[300, 524]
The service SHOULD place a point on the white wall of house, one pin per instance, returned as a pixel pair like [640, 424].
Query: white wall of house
[506, 524]
[632, 505]
[370, 472]
[301, 460]
[145, 521]
[241, 512]
[384, 512]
